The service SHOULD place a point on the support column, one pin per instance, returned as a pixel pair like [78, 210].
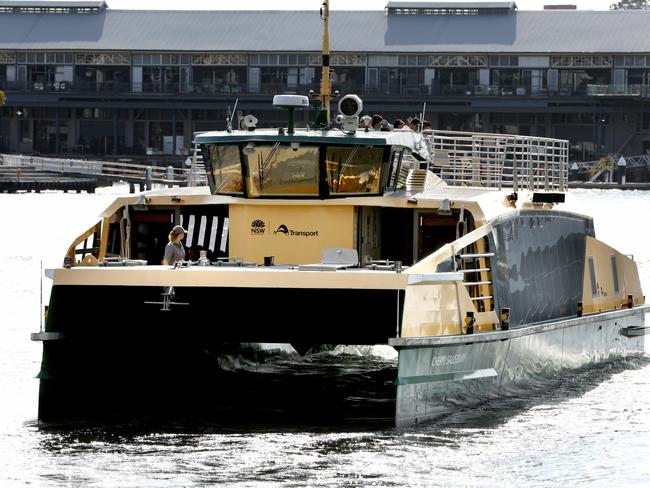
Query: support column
[114, 131]
[57, 145]
[173, 131]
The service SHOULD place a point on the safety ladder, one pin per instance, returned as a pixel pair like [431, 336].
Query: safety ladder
[197, 173]
[477, 271]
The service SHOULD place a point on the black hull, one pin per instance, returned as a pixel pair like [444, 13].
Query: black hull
[132, 358]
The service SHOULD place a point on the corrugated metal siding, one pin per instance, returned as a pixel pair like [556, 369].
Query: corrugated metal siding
[369, 31]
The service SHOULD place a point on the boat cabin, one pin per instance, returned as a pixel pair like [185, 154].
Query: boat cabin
[289, 195]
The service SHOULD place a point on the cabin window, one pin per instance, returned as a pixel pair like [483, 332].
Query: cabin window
[225, 166]
[354, 169]
[592, 277]
[615, 274]
[281, 170]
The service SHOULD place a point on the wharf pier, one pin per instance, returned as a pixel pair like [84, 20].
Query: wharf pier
[14, 180]
[31, 173]
[607, 185]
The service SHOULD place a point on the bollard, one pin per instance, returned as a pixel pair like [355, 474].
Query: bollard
[579, 309]
[630, 301]
[148, 176]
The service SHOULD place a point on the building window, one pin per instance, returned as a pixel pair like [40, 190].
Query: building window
[103, 59]
[278, 59]
[219, 59]
[632, 61]
[457, 60]
[161, 59]
[344, 60]
[504, 61]
[7, 58]
[581, 61]
[34, 57]
[413, 60]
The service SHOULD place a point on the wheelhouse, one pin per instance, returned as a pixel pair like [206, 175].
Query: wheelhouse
[305, 166]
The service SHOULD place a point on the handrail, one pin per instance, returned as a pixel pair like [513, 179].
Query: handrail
[110, 169]
[499, 160]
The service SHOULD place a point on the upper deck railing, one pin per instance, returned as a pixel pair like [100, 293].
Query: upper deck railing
[619, 91]
[499, 160]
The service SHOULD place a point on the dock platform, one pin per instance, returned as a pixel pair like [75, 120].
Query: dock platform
[14, 180]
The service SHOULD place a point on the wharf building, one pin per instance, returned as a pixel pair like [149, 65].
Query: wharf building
[82, 79]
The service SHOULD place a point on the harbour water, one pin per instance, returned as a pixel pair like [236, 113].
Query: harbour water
[592, 428]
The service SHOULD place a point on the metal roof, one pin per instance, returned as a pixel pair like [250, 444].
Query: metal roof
[535, 32]
[52, 4]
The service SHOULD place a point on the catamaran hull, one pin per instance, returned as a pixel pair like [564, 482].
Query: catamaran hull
[440, 374]
[129, 363]
[131, 357]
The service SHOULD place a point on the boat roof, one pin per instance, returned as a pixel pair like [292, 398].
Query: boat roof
[400, 137]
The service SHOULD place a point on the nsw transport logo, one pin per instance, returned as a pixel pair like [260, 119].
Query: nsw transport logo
[282, 230]
[258, 227]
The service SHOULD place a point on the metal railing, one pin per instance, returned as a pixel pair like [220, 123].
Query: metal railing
[364, 89]
[116, 171]
[499, 160]
[618, 90]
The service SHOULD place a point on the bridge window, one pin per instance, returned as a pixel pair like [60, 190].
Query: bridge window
[615, 274]
[225, 165]
[592, 277]
[354, 169]
[282, 170]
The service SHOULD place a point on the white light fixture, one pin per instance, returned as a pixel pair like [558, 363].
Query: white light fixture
[445, 207]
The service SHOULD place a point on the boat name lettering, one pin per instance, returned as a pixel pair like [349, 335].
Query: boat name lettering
[448, 359]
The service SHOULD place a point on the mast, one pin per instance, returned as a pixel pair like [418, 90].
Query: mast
[325, 84]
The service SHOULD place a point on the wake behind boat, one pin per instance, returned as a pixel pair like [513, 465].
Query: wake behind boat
[451, 247]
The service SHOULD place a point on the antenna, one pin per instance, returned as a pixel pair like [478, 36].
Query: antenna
[230, 115]
[41, 309]
[325, 94]
[424, 111]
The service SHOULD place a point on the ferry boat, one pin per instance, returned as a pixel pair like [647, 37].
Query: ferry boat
[451, 247]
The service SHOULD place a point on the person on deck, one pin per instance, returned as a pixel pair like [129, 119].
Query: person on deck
[174, 250]
[376, 122]
[414, 124]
